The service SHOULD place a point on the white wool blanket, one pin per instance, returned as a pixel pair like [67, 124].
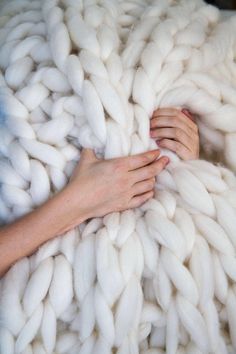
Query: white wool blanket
[89, 73]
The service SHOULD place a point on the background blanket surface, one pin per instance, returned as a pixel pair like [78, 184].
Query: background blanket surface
[89, 73]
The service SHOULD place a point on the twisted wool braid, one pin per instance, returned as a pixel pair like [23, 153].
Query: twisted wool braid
[160, 278]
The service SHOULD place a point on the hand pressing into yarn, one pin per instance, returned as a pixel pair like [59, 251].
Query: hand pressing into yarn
[99, 187]
[96, 188]
[177, 131]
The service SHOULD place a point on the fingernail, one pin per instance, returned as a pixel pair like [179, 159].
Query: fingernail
[155, 151]
[187, 113]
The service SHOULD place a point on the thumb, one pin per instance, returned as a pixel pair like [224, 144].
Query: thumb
[88, 155]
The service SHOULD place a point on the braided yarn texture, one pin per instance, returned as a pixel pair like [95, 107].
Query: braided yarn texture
[88, 73]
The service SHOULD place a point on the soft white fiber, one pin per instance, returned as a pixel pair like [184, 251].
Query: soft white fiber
[15, 107]
[110, 99]
[55, 80]
[33, 95]
[75, 73]
[94, 112]
[32, 297]
[61, 283]
[89, 73]
[18, 71]
[49, 327]
[29, 330]
[20, 128]
[193, 322]
[60, 45]
[43, 152]
[193, 191]
[54, 131]
[84, 38]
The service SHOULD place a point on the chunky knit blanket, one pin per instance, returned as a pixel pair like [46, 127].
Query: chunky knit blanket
[89, 73]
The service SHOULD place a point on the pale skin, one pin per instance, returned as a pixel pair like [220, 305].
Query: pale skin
[176, 131]
[98, 187]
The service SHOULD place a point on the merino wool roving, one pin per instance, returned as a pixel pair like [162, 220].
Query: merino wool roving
[89, 73]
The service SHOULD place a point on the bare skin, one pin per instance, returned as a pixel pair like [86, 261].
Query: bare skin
[97, 187]
[177, 131]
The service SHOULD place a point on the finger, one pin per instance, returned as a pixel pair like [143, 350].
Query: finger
[88, 155]
[165, 111]
[140, 199]
[170, 122]
[151, 170]
[177, 113]
[143, 186]
[177, 147]
[188, 114]
[183, 110]
[140, 160]
[173, 133]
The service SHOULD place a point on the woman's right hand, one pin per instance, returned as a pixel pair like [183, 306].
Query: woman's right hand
[98, 187]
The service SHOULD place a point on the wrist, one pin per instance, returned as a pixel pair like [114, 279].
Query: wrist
[70, 208]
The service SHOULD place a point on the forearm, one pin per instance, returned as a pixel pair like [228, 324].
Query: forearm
[25, 235]
[96, 188]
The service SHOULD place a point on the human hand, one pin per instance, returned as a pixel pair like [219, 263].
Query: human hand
[98, 187]
[177, 131]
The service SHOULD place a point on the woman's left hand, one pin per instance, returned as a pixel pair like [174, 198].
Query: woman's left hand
[177, 131]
